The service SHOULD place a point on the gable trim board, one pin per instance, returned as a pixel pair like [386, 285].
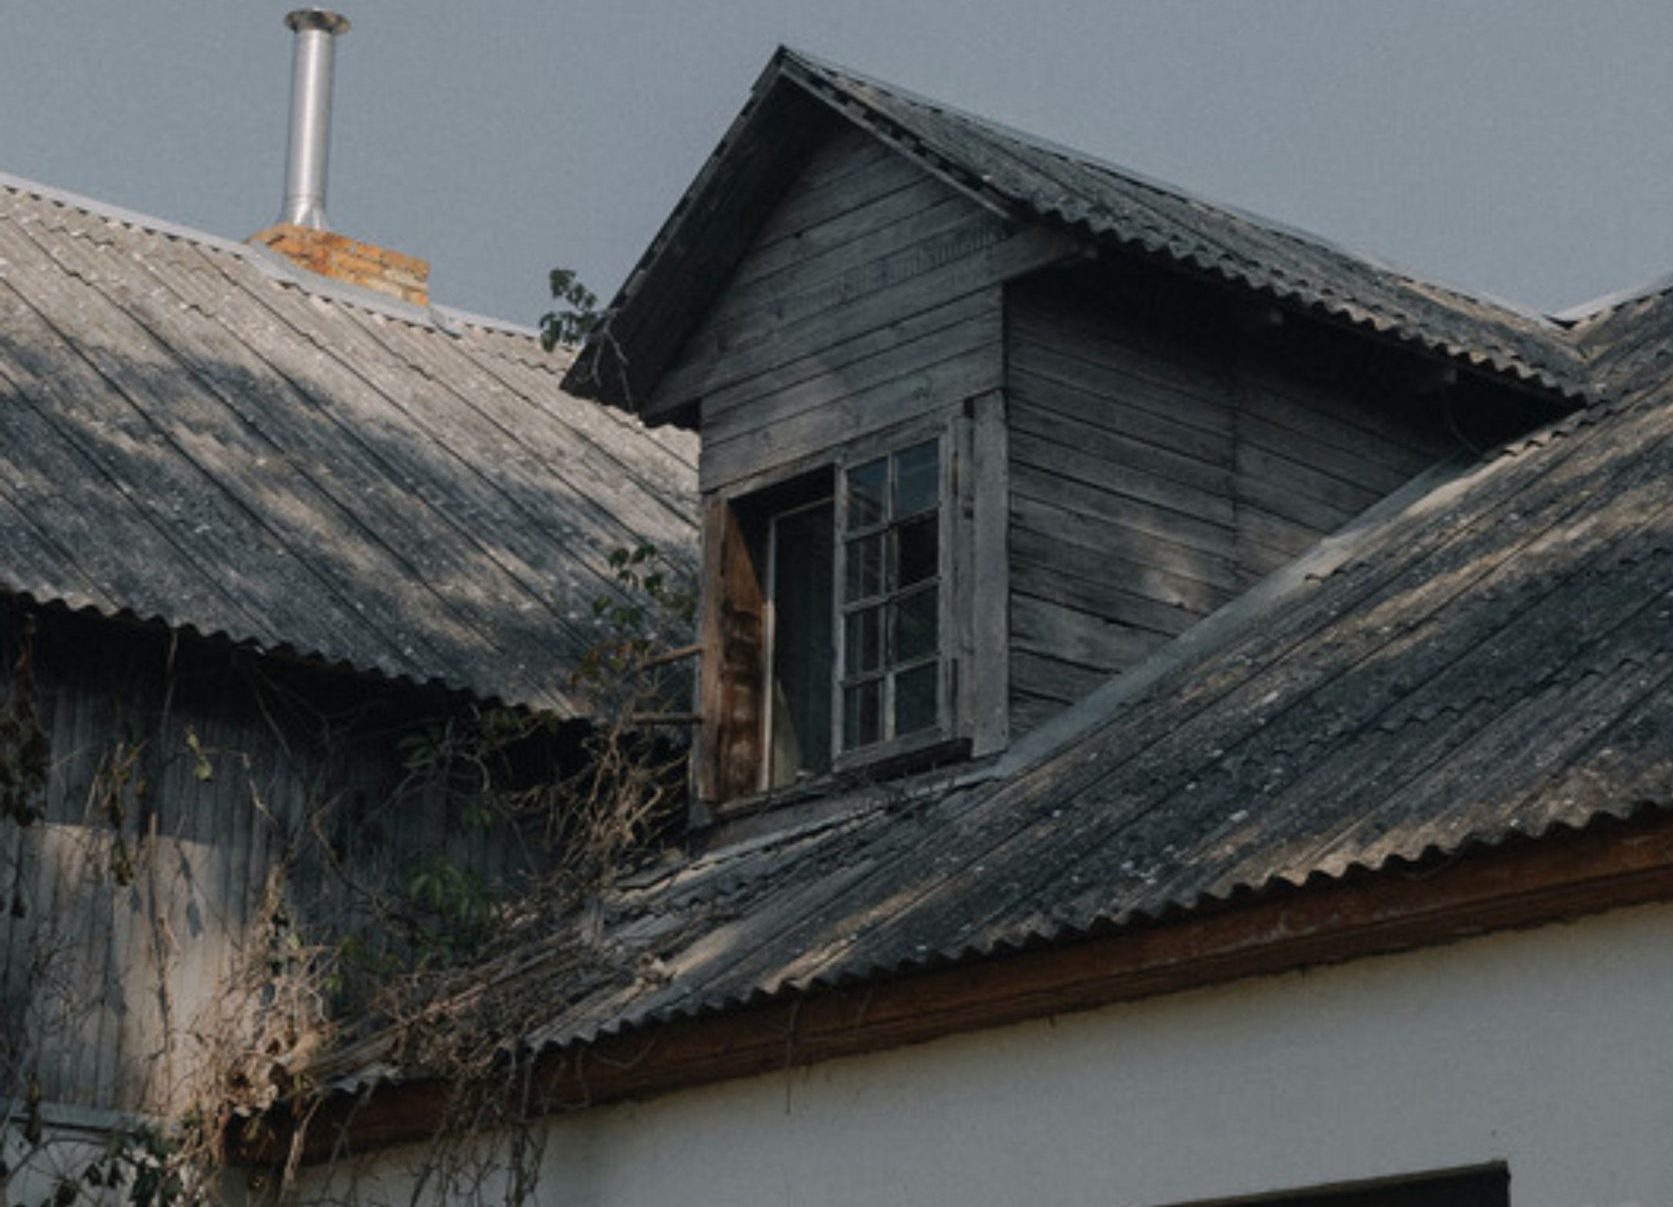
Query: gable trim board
[1031, 182]
[1521, 881]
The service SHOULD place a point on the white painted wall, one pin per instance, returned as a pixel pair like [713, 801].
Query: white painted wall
[1551, 1050]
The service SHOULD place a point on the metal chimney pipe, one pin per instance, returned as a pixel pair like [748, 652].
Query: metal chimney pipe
[310, 115]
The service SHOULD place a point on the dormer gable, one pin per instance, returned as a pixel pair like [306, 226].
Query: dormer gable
[985, 423]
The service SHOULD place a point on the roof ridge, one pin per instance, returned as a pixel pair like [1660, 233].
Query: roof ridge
[1605, 304]
[1178, 192]
[269, 262]
[115, 213]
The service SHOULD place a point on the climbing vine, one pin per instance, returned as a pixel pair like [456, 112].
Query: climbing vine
[358, 937]
[24, 750]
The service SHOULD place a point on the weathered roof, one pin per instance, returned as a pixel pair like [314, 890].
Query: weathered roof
[195, 432]
[1033, 180]
[1488, 654]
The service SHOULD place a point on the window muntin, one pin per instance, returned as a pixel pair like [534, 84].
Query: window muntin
[891, 513]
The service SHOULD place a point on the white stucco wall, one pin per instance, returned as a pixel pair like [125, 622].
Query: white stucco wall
[1551, 1050]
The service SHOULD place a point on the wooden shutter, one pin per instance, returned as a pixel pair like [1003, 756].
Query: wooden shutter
[734, 652]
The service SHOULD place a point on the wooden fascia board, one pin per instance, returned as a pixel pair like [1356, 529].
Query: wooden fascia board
[653, 310]
[1525, 883]
[876, 126]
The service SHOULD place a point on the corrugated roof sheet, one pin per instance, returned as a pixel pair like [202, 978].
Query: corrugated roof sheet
[193, 432]
[1111, 203]
[1492, 657]
[1107, 206]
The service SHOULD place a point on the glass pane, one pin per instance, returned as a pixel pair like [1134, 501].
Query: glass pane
[867, 485]
[914, 626]
[916, 547]
[917, 478]
[865, 568]
[862, 714]
[863, 647]
[915, 699]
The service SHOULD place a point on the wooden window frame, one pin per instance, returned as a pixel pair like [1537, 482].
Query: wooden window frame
[733, 760]
[945, 431]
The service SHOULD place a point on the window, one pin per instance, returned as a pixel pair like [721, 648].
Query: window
[891, 597]
[827, 613]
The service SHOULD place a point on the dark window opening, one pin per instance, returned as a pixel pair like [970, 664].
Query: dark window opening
[803, 648]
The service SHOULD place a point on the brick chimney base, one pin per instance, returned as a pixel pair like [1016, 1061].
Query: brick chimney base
[352, 262]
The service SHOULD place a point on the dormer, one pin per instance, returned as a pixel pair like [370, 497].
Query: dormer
[986, 423]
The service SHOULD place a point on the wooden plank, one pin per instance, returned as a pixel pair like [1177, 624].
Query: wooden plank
[711, 367]
[914, 395]
[1038, 540]
[1313, 491]
[969, 337]
[1375, 417]
[1291, 540]
[1029, 711]
[1041, 627]
[1153, 421]
[1108, 343]
[820, 201]
[1099, 593]
[1209, 412]
[966, 238]
[715, 223]
[988, 594]
[1041, 676]
[837, 359]
[1293, 510]
[91, 896]
[55, 938]
[974, 336]
[1132, 462]
[1337, 448]
[733, 675]
[878, 227]
[846, 150]
[1172, 567]
[1040, 471]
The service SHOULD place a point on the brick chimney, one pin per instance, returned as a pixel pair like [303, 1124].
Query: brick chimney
[301, 234]
[344, 259]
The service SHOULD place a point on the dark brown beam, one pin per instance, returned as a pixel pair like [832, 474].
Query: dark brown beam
[1526, 883]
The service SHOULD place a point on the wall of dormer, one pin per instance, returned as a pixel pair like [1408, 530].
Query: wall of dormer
[1165, 452]
[866, 316]
[1126, 449]
[868, 299]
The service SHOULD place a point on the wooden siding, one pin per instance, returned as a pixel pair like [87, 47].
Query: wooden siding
[1155, 473]
[182, 782]
[868, 298]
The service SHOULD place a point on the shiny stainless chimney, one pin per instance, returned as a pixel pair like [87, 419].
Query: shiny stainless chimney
[310, 115]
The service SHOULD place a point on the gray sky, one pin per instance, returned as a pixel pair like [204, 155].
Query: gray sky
[1522, 148]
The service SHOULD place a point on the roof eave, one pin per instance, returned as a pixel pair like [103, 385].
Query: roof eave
[1613, 862]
